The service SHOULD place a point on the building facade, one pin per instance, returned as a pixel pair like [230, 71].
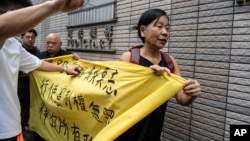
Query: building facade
[209, 38]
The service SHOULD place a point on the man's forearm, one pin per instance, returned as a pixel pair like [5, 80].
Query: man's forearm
[48, 67]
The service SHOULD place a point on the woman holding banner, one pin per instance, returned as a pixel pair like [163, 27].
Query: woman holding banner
[153, 30]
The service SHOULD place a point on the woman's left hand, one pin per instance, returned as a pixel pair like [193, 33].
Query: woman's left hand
[192, 88]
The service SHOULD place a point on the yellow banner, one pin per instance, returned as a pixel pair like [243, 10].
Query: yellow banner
[106, 99]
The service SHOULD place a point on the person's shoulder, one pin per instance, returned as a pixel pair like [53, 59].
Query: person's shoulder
[12, 42]
[65, 52]
[125, 56]
[171, 57]
[10, 39]
[134, 51]
[13, 39]
[36, 48]
[36, 51]
[42, 54]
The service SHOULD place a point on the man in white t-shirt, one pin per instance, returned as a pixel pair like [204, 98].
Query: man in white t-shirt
[13, 57]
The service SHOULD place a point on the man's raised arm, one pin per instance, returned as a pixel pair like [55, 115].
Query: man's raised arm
[16, 22]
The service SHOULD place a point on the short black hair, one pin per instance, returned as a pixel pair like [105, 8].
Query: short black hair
[31, 30]
[148, 17]
[7, 5]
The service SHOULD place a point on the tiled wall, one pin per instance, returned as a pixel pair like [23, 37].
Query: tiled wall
[210, 40]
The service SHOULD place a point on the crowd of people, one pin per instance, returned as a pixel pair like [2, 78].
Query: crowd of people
[18, 59]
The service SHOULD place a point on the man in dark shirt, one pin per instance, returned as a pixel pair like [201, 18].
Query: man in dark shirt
[28, 40]
[53, 45]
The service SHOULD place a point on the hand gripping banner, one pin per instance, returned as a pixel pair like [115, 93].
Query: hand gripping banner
[102, 102]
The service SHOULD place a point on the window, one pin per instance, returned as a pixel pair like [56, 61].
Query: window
[94, 11]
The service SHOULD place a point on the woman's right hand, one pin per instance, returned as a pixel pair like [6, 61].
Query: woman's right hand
[158, 70]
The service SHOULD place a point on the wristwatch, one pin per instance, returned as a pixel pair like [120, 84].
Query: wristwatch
[65, 68]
